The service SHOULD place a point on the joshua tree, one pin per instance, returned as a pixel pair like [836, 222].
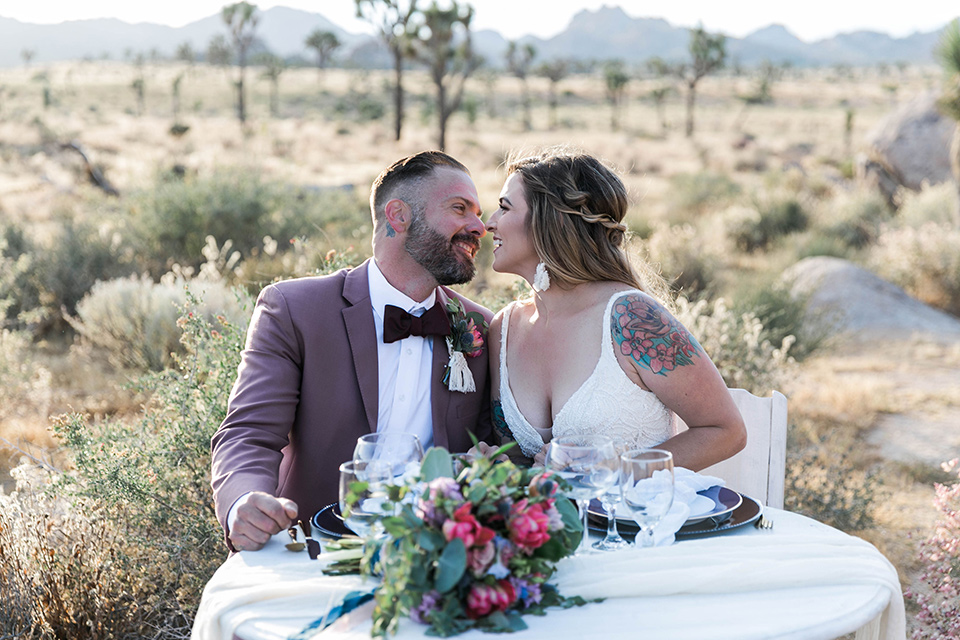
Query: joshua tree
[393, 19]
[554, 71]
[273, 66]
[708, 53]
[27, 55]
[615, 79]
[139, 85]
[324, 43]
[218, 51]
[241, 20]
[176, 96]
[519, 59]
[185, 53]
[659, 97]
[442, 42]
[948, 54]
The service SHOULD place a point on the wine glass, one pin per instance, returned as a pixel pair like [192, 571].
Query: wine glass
[588, 463]
[400, 450]
[610, 499]
[646, 485]
[366, 480]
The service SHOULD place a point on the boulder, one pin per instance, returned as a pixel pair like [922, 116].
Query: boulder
[854, 303]
[909, 146]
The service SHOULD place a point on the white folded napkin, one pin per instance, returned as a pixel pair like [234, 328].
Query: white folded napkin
[685, 500]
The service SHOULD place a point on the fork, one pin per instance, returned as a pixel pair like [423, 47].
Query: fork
[763, 524]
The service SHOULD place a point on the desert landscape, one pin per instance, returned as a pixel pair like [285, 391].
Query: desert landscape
[101, 183]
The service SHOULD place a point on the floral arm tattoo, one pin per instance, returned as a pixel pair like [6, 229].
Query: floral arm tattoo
[500, 423]
[648, 334]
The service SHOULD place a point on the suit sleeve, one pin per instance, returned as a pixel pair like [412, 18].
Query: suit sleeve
[246, 449]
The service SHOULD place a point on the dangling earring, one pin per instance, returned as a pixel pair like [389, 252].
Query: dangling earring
[541, 280]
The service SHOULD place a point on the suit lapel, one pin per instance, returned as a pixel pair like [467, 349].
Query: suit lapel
[440, 395]
[362, 334]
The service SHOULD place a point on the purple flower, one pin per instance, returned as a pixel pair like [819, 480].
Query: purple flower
[527, 592]
[421, 613]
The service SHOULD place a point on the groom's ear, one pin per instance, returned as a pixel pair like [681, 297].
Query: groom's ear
[398, 215]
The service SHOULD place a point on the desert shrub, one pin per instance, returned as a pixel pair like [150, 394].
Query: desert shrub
[854, 218]
[814, 242]
[938, 203]
[173, 220]
[125, 541]
[135, 319]
[782, 315]
[939, 614]
[736, 345]
[693, 193]
[51, 277]
[822, 484]
[925, 261]
[684, 258]
[757, 228]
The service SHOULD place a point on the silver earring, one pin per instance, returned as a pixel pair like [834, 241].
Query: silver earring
[541, 280]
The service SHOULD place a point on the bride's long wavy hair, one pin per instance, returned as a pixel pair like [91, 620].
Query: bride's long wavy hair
[577, 206]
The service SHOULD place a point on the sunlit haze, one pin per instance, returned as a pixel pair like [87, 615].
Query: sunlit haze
[809, 20]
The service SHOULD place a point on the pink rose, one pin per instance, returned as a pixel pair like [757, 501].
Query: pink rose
[484, 598]
[479, 559]
[464, 525]
[528, 524]
[543, 484]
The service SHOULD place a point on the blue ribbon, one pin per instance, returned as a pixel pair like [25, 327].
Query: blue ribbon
[350, 602]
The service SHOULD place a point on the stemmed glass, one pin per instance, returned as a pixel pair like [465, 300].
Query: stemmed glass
[610, 499]
[646, 485]
[363, 509]
[400, 450]
[588, 463]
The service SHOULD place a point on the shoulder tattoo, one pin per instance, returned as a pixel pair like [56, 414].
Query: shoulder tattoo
[500, 423]
[648, 334]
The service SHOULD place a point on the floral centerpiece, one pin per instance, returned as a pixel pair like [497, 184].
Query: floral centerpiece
[475, 549]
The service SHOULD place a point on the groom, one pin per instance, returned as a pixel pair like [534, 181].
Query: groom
[328, 359]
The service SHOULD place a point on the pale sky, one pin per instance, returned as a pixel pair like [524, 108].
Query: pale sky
[810, 20]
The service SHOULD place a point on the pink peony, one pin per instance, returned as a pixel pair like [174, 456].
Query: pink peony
[464, 525]
[484, 598]
[529, 525]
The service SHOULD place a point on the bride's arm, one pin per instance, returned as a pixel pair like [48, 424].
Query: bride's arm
[662, 356]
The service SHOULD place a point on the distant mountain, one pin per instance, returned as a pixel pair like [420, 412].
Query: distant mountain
[603, 34]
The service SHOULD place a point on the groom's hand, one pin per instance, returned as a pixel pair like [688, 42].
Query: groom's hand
[259, 517]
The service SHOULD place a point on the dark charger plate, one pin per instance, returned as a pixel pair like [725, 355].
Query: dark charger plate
[328, 522]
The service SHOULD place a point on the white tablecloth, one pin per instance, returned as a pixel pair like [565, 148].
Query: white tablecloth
[802, 579]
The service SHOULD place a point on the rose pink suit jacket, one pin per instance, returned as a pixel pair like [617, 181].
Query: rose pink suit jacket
[307, 388]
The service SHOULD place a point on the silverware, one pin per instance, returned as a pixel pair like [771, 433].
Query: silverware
[763, 523]
[294, 544]
[313, 547]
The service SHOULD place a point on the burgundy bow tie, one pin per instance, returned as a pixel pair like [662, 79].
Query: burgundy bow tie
[398, 324]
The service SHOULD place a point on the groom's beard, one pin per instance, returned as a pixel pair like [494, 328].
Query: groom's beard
[438, 255]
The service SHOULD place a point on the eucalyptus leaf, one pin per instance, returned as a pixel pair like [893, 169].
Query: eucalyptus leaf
[568, 512]
[437, 463]
[451, 565]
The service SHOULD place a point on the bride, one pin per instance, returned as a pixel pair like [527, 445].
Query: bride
[591, 351]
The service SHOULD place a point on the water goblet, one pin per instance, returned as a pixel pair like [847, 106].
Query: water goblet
[646, 485]
[588, 464]
[400, 450]
[363, 495]
[610, 499]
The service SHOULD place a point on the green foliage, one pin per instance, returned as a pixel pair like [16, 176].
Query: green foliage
[947, 53]
[684, 258]
[173, 221]
[855, 219]
[933, 203]
[782, 316]
[692, 194]
[766, 223]
[125, 543]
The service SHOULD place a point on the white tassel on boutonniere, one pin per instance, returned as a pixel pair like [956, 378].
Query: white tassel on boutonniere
[459, 376]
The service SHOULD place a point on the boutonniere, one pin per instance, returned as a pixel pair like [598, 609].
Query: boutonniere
[465, 341]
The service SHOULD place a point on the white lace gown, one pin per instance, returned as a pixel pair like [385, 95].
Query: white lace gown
[607, 403]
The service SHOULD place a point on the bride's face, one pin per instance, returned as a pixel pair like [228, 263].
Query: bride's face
[513, 250]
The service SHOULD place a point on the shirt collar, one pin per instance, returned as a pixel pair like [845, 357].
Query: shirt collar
[383, 293]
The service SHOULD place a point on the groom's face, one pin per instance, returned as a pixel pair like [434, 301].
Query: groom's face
[444, 234]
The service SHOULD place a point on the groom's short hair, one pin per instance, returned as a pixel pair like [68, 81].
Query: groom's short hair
[404, 180]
